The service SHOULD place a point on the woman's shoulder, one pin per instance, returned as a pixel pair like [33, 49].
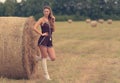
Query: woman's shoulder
[40, 19]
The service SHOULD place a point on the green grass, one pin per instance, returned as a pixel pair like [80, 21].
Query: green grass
[84, 54]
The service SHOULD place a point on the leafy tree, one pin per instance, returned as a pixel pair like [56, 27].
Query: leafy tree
[2, 9]
[9, 7]
[93, 9]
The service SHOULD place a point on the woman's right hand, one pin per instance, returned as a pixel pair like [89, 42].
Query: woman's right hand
[45, 34]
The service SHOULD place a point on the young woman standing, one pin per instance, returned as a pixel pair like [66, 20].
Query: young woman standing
[45, 41]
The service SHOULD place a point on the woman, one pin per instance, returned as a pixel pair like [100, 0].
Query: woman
[45, 41]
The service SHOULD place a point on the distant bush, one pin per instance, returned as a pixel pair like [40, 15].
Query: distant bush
[78, 18]
[66, 17]
[63, 17]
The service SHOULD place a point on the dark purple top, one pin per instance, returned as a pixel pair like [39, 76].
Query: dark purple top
[46, 28]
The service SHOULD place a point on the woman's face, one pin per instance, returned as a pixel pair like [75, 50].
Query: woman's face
[46, 12]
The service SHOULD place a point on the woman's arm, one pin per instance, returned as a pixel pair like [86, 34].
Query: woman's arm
[53, 19]
[38, 23]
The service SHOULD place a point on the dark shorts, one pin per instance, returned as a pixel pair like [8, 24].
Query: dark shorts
[45, 41]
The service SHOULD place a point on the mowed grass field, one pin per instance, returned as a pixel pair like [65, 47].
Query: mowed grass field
[84, 54]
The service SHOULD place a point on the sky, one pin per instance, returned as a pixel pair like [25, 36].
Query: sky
[4, 0]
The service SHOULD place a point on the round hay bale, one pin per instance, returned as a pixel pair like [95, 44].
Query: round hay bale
[70, 21]
[93, 23]
[109, 21]
[88, 20]
[18, 47]
[101, 21]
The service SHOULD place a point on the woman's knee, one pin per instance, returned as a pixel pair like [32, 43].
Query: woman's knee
[53, 58]
[43, 55]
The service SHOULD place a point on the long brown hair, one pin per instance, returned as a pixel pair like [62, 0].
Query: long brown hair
[50, 17]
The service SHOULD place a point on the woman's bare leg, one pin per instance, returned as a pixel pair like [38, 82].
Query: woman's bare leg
[51, 53]
[43, 50]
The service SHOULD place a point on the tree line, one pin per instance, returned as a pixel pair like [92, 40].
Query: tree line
[63, 9]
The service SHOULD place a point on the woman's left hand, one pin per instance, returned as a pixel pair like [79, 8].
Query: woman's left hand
[53, 18]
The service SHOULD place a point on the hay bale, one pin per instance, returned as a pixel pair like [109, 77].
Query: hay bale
[101, 21]
[70, 21]
[109, 21]
[93, 23]
[88, 20]
[18, 47]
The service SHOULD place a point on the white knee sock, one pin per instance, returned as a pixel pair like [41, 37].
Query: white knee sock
[44, 66]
